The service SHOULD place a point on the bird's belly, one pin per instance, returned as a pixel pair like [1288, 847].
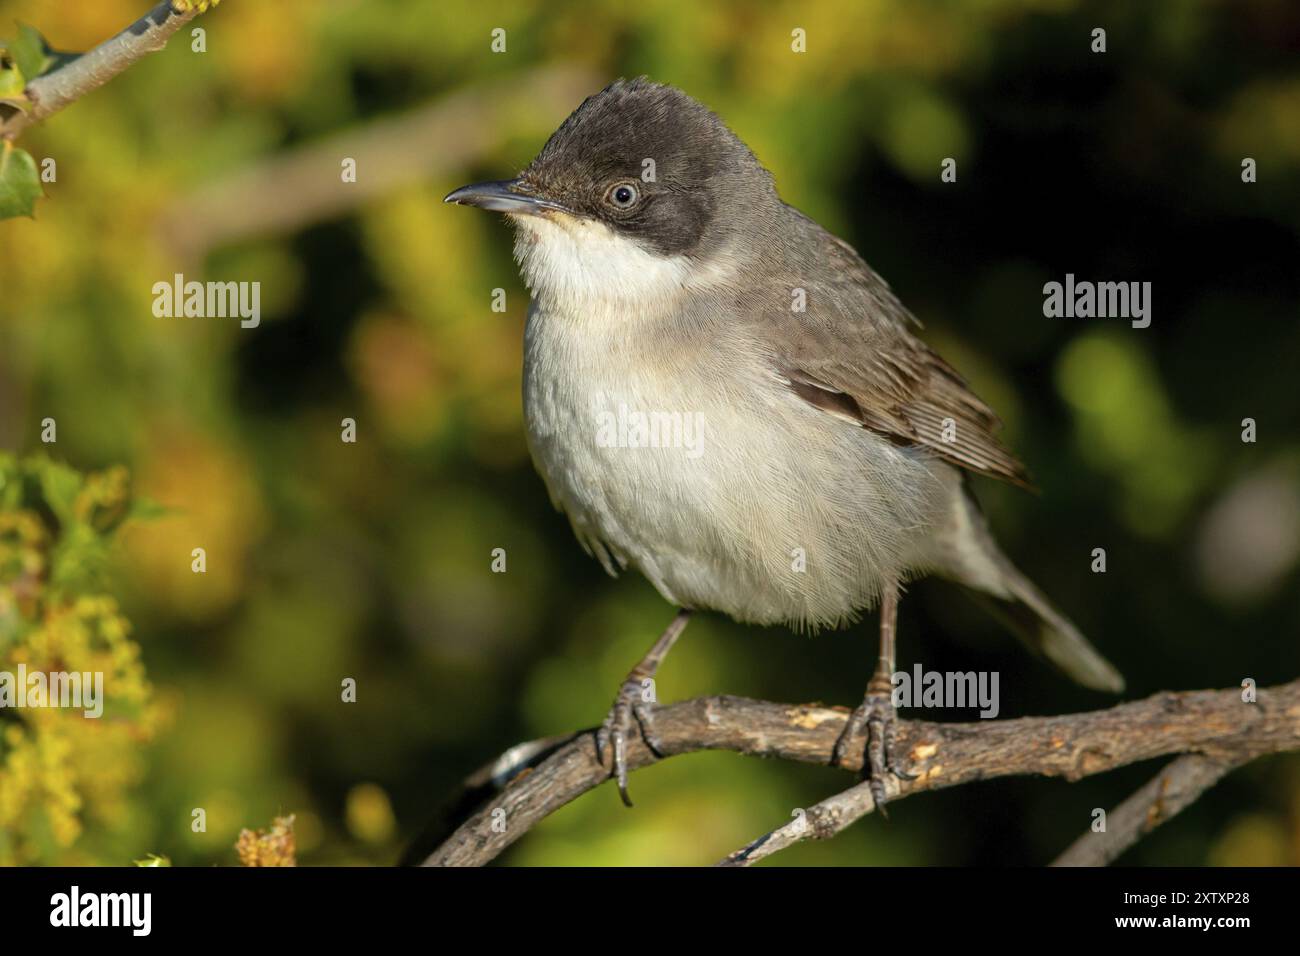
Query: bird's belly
[708, 476]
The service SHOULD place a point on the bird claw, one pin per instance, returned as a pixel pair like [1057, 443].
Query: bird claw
[877, 714]
[629, 706]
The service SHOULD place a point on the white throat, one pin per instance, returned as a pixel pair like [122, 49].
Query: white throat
[582, 267]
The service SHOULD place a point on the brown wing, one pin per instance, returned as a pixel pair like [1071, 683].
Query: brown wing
[854, 355]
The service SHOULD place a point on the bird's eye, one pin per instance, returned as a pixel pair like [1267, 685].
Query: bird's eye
[622, 196]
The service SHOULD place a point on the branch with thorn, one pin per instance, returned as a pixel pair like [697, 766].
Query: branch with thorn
[1217, 730]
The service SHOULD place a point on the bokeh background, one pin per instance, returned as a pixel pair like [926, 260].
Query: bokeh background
[371, 560]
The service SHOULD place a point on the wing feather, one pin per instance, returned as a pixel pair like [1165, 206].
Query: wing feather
[855, 356]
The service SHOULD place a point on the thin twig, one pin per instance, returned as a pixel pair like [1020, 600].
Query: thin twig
[1176, 787]
[1215, 723]
[52, 91]
[820, 822]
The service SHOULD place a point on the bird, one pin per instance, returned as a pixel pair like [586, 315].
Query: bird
[812, 455]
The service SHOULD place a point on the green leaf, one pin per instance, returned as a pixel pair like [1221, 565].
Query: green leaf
[30, 51]
[146, 509]
[79, 560]
[20, 183]
[60, 486]
[12, 82]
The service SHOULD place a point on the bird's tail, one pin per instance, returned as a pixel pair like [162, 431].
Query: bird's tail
[1011, 597]
[1046, 631]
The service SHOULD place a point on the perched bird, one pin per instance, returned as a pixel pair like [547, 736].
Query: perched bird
[828, 445]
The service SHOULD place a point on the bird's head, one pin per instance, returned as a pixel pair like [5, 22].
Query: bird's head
[640, 189]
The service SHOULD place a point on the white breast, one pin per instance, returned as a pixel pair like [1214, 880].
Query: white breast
[736, 496]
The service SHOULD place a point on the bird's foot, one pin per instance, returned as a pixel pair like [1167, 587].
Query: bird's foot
[630, 705]
[877, 714]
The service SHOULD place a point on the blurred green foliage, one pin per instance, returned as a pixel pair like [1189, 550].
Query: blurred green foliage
[328, 560]
[66, 780]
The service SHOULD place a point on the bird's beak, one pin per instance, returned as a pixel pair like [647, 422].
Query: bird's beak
[508, 195]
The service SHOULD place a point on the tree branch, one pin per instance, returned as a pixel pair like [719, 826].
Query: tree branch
[296, 188]
[821, 822]
[52, 91]
[1175, 787]
[1213, 723]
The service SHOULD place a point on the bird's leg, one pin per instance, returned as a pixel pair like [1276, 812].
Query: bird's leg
[877, 708]
[632, 702]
